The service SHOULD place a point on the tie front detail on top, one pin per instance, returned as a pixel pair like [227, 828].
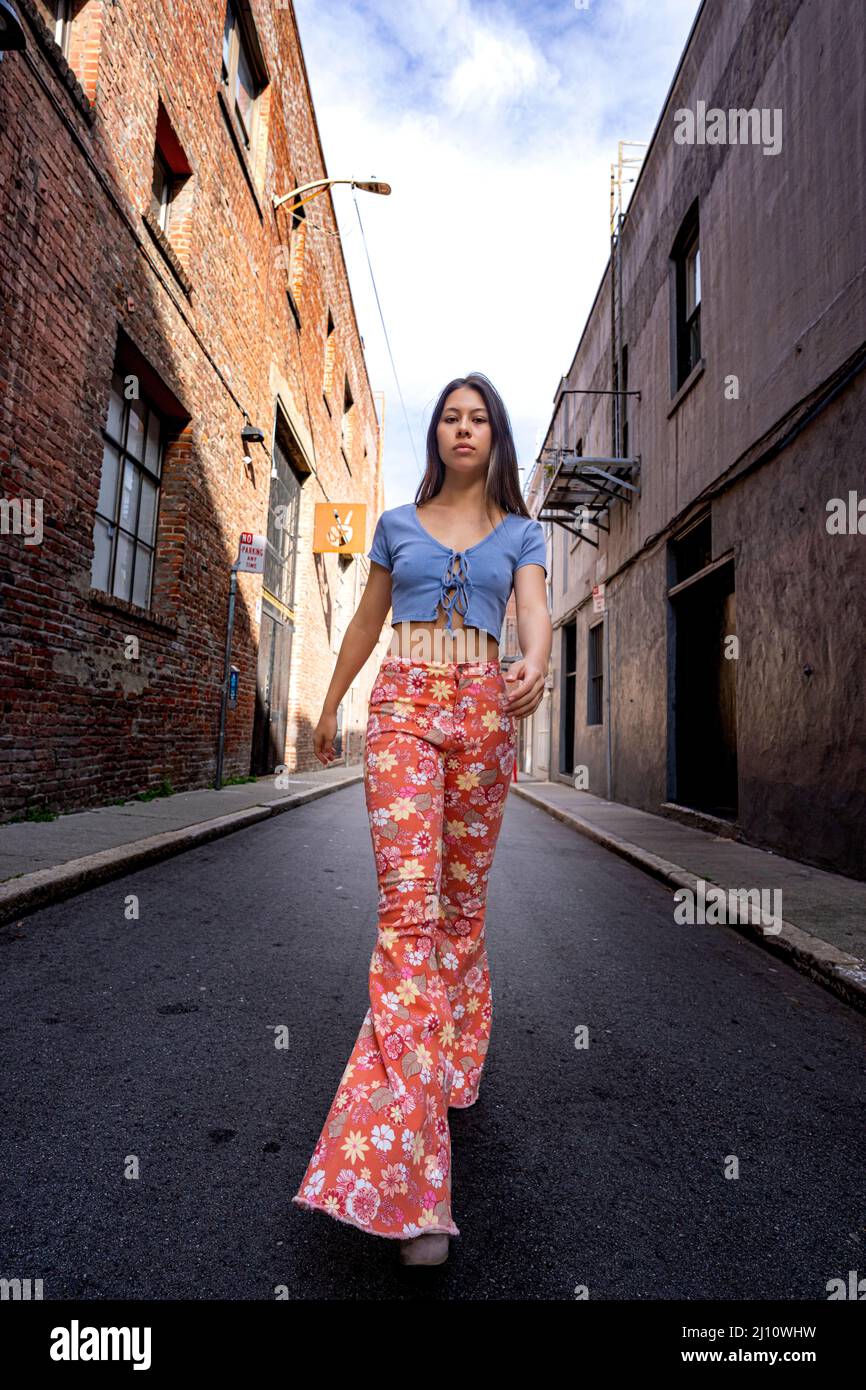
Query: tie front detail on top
[458, 581]
[427, 574]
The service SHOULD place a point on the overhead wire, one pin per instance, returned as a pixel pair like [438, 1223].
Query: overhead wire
[385, 332]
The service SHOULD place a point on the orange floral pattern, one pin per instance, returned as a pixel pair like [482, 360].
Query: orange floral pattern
[438, 759]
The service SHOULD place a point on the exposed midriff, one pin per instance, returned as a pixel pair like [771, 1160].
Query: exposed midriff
[459, 644]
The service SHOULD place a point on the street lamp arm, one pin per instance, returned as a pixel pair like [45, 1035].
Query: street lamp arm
[369, 186]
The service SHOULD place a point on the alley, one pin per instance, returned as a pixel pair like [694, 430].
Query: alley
[153, 1042]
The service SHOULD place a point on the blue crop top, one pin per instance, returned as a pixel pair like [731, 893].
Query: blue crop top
[475, 582]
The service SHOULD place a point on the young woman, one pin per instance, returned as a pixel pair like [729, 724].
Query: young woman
[438, 758]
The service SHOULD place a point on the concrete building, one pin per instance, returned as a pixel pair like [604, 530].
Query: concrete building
[719, 508]
[533, 733]
[158, 303]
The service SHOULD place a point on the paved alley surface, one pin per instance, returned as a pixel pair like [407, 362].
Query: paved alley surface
[151, 1042]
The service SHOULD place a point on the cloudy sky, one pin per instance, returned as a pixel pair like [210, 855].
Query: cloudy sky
[495, 124]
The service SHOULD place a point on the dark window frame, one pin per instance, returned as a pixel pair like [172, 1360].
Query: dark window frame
[624, 399]
[347, 423]
[238, 42]
[160, 206]
[690, 551]
[296, 222]
[63, 17]
[329, 366]
[170, 175]
[595, 674]
[141, 470]
[281, 550]
[685, 315]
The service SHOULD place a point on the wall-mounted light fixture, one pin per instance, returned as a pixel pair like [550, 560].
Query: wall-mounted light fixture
[250, 434]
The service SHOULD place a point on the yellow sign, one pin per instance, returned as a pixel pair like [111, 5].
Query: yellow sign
[340, 527]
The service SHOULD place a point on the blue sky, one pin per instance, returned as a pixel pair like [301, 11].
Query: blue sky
[495, 124]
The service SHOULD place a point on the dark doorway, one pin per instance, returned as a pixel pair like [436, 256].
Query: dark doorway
[705, 692]
[568, 690]
[272, 692]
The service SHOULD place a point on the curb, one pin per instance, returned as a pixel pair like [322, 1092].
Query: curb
[843, 974]
[32, 891]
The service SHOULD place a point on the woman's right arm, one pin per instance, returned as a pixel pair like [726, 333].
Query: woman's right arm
[361, 635]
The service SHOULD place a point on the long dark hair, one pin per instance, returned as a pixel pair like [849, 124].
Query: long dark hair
[503, 481]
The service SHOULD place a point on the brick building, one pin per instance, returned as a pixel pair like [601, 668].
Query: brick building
[157, 303]
[723, 508]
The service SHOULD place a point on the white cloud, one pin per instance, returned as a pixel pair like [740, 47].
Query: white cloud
[496, 125]
[497, 71]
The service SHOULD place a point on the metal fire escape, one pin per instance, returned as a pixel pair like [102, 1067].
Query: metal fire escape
[583, 488]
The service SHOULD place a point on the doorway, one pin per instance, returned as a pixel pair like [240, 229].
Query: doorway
[705, 691]
[568, 690]
[272, 690]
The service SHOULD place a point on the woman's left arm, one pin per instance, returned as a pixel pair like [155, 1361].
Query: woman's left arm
[535, 634]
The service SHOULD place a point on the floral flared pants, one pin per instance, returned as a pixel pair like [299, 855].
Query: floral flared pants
[438, 759]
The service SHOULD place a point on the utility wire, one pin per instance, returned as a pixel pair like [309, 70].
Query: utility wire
[385, 331]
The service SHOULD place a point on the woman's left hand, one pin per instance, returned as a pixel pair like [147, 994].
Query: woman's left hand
[527, 693]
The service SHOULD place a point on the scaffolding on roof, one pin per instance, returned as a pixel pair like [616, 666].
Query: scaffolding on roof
[582, 486]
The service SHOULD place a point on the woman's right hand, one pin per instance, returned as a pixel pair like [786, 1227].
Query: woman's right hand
[323, 738]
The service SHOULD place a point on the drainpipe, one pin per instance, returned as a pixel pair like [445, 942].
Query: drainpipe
[549, 697]
[608, 618]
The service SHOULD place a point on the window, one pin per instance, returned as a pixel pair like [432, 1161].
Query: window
[686, 337]
[124, 530]
[242, 75]
[76, 27]
[595, 676]
[624, 403]
[284, 510]
[581, 513]
[293, 263]
[693, 302]
[347, 423]
[172, 189]
[298, 235]
[692, 550]
[63, 25]
[566, 550]
[163, 190]
[330, 349]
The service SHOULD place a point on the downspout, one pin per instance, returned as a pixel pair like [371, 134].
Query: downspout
[607, 643]
[608, 699]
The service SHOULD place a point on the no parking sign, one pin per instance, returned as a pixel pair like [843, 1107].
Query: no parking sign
[251, 553]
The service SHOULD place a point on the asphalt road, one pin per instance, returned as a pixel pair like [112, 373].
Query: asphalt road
[148, 1046]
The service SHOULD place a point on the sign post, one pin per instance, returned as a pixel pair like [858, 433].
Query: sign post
[251, 560]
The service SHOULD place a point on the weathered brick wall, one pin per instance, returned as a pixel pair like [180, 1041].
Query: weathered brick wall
[83, 724]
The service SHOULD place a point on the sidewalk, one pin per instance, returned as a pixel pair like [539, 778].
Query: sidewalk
[43, 861]
[824, 915]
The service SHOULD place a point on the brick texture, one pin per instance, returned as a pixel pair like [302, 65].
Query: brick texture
[211, 320]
